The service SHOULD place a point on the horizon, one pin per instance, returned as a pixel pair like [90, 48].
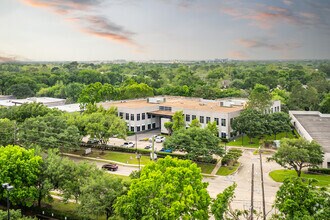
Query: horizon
[183, 30]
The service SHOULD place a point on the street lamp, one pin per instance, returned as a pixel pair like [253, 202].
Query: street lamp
[138, 156]
[8, 188]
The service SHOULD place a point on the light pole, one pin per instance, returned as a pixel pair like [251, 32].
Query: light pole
[138, 156]
[8, 188]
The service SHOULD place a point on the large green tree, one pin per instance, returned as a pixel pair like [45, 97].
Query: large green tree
[197, 142]
[250, 122]
[99, 194]
[168, 189]
[21, 169]
[7, 132]
[49, 131]
[178, 121]
[260, 98]
[298, 153]
[298, 199]
[278, 122]
[325, 104]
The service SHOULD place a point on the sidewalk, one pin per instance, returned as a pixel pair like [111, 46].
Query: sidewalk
[216, 168]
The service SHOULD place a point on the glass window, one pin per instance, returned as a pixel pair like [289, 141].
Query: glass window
[149, 126]
[138, 128]
[132, 128]
[193, 117]
[187, 117]
[138, 117]
[143, 116]
[223, 135]
[201, 119]
[223, 122]
[149, 116]
[216, 120]
[154, 125]
[121, 114]
[208, 119]
[127, 116]
[143, 127]
[132, 117]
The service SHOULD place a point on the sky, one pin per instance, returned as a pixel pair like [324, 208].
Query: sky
[105, 30]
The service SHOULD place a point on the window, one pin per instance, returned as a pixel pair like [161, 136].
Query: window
[231, 121]
[223, 135]
[149, 116]
[223, 122]
[143, 127]
[138, 117]
[154, 125]
[149, 126]
[153, 116]
[201, 119]
[127, 116]
[208, 119]
[143, 116]
[138, 128]
[165, 108]
[132, 117]
[193, 117]
[121, 114]
[132, 128]
[187, 117]
[216, 120]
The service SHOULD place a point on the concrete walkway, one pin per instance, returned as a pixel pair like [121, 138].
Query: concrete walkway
[216, 168]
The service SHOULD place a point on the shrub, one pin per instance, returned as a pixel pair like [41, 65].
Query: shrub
[319, 170]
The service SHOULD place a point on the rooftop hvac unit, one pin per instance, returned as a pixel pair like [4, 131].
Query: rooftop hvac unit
[226, 104]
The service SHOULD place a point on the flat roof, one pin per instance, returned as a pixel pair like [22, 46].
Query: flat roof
[68, 108]
[317, 126]
[177, 102]
[37, 99]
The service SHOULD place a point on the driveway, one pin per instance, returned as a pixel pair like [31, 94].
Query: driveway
[243, 180]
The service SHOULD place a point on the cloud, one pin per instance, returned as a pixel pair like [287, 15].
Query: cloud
[288, 2]
[264, 43]
[77, 11]
[237, 55]
[267, 16]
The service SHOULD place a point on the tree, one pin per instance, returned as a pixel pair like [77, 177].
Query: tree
[250, 122]
[99, 194]
[303, 98]
[7, 131]
[21, 90]
[212, 127]
[49, 131]
[260, 98]
[325, 104]
[221, 205]
[298, 153]
[278, 122]
[178, 121]
[168, 189]
[298, 199]
[20, 168]
[14, 214]
[195, 123]
[169, 126]
[91, 94]
[197, 142]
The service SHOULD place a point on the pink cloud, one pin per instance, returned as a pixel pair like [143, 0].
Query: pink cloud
[94, 25]
[264, 43]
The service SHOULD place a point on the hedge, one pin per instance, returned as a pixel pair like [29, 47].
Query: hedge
[319, 170]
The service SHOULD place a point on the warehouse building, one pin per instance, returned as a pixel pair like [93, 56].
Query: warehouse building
[313, 125]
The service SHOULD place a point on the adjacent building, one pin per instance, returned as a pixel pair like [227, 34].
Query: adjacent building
[47, 101]
[151, 113]
[313, 125]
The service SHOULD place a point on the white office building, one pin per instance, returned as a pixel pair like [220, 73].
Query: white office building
[151, 113]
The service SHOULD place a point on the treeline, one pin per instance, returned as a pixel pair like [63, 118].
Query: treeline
[299, 85]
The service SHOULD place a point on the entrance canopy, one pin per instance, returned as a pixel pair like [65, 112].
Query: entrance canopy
[161, 113]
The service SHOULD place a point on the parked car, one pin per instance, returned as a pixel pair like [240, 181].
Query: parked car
[93, 141]
[154, 136]
[166, 150]
[110, 167]
[159, 139]
[148, 147]
[128, 144]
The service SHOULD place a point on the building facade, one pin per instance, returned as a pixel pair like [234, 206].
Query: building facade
[146, 114]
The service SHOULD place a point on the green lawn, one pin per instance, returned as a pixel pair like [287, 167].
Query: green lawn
[225, 171]
[280, 175]
[124, 178]
[206, 167]
[256, 141]
[129, 158]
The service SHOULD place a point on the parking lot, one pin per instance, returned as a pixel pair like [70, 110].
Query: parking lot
[138, 140]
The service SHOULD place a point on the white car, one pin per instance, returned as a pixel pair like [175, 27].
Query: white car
[159, 139]
[128, 144]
